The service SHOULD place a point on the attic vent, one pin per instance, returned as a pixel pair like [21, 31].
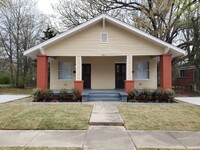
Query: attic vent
[104, 37]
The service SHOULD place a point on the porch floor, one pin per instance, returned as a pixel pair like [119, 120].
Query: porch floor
[104, 95]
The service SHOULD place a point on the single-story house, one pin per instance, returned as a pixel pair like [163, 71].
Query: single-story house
[187, 77]
[104, 53]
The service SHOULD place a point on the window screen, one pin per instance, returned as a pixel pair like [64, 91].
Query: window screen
[141, 70]
[64, 70]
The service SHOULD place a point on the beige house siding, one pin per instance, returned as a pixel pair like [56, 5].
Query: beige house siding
[102, 72]
[87, 43]
[55, 83]
[152, 82]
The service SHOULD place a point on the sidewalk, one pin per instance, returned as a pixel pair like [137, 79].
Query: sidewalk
[191, 100]
[102, 137]
[8, 98]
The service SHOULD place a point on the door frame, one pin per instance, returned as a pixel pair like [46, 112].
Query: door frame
[116, 63]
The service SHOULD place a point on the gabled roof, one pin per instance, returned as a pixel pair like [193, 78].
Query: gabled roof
[173, 49]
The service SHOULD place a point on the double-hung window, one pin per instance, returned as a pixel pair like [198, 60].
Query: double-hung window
[183, 73]
[141, 70]
[64, 70]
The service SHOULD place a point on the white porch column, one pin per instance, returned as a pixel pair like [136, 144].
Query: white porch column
[129, 68]
[78, 68]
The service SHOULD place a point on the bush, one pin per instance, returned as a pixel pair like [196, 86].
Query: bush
[36, 94]
[133, 93]
[146, 93]
[63, 93]
[47, 94]
[76, 94]
[170, 94]
[5, 78]
[159, 92]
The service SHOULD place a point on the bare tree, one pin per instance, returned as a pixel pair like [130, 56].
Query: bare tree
[20, 26]
[73, 13]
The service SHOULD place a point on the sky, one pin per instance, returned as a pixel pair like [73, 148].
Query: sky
[45, 6]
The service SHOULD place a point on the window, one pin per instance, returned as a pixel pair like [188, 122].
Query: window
[64, 70]
[104, 38]
[141, 70]
[183, 73]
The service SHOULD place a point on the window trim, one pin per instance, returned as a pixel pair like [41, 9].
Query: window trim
[140, 61]
[102, 42]
[59, 70]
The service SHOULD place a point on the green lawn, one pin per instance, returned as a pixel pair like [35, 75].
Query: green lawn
[44, 116]
[37, 148]
[15, 91]
[4, 85]
[161, 116]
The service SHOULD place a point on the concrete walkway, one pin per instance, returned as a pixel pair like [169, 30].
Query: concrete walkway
[191, 100]
[105, 114]
[8, 98]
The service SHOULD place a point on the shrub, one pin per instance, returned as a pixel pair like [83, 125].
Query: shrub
[146, 93]
[63, 93]
[170, 94]
[48, 94]
[133, 93]
[4, 78]
[159, 94]
[36, 94]
[76, 94]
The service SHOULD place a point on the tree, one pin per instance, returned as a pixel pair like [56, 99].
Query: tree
[73, 13]
[159, 18]
[20, 26]
[49, 33]
[2, 3]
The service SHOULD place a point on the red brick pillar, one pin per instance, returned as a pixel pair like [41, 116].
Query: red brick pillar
[42, 71]
[129, 85]
[165, 71]
[78, 84]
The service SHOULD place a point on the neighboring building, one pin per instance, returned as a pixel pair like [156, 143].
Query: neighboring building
[104, 53]
[187, 77]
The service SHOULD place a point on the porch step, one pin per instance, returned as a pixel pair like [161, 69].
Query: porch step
[104, 99]
[104, 96]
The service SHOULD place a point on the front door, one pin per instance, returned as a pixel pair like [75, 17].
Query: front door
[86, 76]
[120, 75]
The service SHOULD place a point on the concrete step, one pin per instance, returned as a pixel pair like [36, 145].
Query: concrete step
[104, 96]
[104, 99]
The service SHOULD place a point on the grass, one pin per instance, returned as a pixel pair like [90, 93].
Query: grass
[15, 91]
[179, 117]
[4, 85]
[44, 116]
[37, 148]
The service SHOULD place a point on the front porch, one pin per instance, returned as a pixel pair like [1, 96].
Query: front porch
[104, 72]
